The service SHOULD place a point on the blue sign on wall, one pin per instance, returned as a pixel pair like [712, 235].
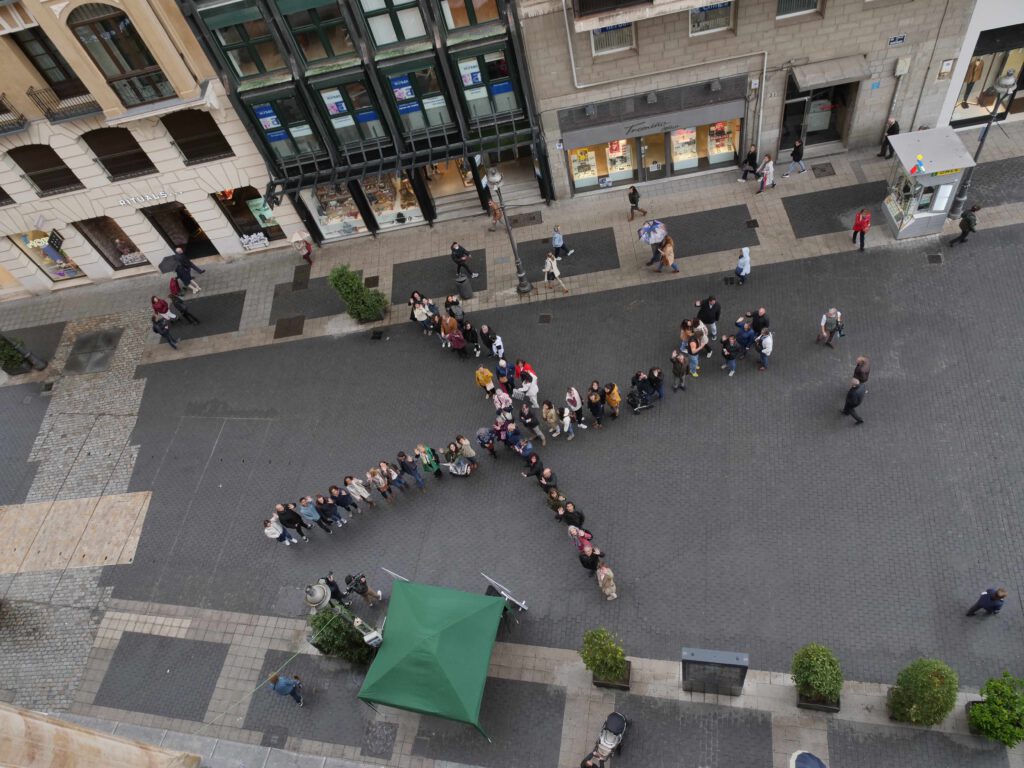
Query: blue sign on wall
[412, 106]
[505, 87]
[277, 135]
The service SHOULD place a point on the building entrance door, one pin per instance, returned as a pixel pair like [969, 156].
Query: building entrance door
[177, 227]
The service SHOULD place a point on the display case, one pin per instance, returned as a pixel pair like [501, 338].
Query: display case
[337, 213]
[620, 160]
[684, 149]
[584, 168]
[392, 199]
[721, 148]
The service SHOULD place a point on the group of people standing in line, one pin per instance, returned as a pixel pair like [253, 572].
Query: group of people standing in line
[165, 313]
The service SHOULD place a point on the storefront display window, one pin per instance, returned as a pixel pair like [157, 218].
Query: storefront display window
[684, 149]
[418, 99]
[337, 214]
[351, 113]
[45, 251]
[487, 84]
[721, 148]
[318, 29]
[392, 21]
[286, 127]
[392, 199]
[106, 236]
[604, 165]
[711, 18]
[248, 213]
[977, 97]
[466, 13]
[245, 38]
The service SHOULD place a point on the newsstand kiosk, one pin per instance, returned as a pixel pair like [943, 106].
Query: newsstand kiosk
[926, 173]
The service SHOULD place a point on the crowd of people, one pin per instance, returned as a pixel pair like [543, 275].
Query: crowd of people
[174, 307]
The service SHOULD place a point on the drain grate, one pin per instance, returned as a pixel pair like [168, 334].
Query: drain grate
[729, 280]
[752, 224]
[934, 258]
[525, 219]
[379, 740]
[275, 736]
[545, 318]
[823, 170]
[376, 335]
[289, 326]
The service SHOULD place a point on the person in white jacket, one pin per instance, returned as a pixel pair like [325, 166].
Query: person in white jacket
[552, 273]
[528, 389]
[764, 343]
[273, 529]
[767, 171]
[743, 265]
[358, 491]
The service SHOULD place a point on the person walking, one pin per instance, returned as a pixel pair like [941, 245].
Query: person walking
[361, 587]
[575, 403]
[854, 397]
[182, 307]
[968, 223]
[743, 265]
[990, 601]
[461, 258]
[831, 324]
[892, 128]
[291, 519]
[767, 171]
[861, 225]
[796, 159]
[311, 516]
[862, 370]
[485, 380]
[667, 252]
[286, 686]
[730, 353]
[273, 529]
[529, 420]
[765, 344]
[428, 458]
[185, 277]
[606, 581]
[558, 244]
[302, 242]
[552, 273]
[634, 203]
[358, 490]
[185, 261]
[162, 328]
[161, 308]
[612, 399]
[749, 164]
[496, 214]
[708, 312]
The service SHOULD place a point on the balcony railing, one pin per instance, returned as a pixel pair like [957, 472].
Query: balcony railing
[592, 7]
[11, 120]
[57, 109]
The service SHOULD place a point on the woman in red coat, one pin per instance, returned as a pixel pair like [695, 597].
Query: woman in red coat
[160, 307]
[861, 224]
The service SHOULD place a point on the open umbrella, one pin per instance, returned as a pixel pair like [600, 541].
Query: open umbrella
[652, 232]
[169, 264]
[805, 760]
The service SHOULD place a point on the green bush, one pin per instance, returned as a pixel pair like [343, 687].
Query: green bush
[602, 655]
[817, 674]
[1001, 715]
[925, 692]
[11, 357]
[334, 636]
[362, 303]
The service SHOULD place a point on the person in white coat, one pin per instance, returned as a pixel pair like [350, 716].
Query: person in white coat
[767, 171]
[552, 273]
[764, 343]
[743, 265]
[527, 390]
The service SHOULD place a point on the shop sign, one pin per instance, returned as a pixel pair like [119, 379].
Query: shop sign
[434, 102]
[366, 117]
[947, 173]
[334, 101]
[131, 259]
[277, 135]
[300, 130]
[402, 88]
[254, 241]
[155, 197]
[344, 121]
[405, 109]
[653, 126]
[266, 115]
[897, 40]
[470, 70]
[55, 240]
[503, 87]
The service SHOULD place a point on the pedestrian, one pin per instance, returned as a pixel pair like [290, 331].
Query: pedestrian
[524, 367]
[428, 458]
[634, 203]
[656, 380]
[580, 537]
[861, 225]
[160, 307]
[667, 254]
[453, 307]
[485, 380]
[694, 348]
[342, 498]
[487, 339]
[496, 214]
[862, 369]
[185, 261]
[408, 467]
[759, 320]
[182, 307]
[329, 511]
[565, 422]
[892, 128]
[527, 390]
[555, 501]
[796, 158]
[309, 514]
[273, 529]
[502, 405]
[558, 244]
[361, 587]
[679, 370]
[730, 353]
[552, 273]
[831, 324]
[575, 403]
[550, 417]
[461, 258]
[746, 336]
[302, 242]
[767, 171]
[596, 408]
[485, 439]
[472, 337]
[286, 686]
[291, 519]
[448, 325]
[359, 491]
[466, 450]
[568, 514]
[458, 342]
[606, 581]
[393, 474]
[765, 343]
[854, 397]
[743, 265]
[506, 376]
[162, 327]
[612, 399]
[749, 164]
[185, 276]
[968, 223]
[590, 558]
[991, 601]
[375, 479]
[547, 479]
[529, 420]
[708, 312]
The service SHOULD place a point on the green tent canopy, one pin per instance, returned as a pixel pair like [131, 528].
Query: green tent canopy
[436, 651]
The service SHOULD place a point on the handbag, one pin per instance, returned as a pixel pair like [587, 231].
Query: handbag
[840, 329]
[739, 271]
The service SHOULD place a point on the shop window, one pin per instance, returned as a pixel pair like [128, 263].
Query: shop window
[286, 127]
[467, 13]
[118, 51]
[245, 38]
[711, 18]
[318, 29]
[46, 251]
[249, 214]
[418, 98]
[351, 112]
[487, 84]
[393, 22]
[978, 94]
[334, 206]
[49, 62]
[106, 236]
[796, 7]
[392, 199]
[5, 199]
[196, 135]
[44, 169]
[119, 153]
[618, 37]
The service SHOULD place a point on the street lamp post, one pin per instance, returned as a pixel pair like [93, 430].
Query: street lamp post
[1004, 87]
[494, 179]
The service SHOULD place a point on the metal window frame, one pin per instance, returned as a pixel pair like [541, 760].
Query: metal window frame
[318, 27]
[816, 9]
[632, 47]
[728, 28]
[340, 80]
[407, 68]
[391, 9]
[471, 13]
[250, 100]
[478, 52]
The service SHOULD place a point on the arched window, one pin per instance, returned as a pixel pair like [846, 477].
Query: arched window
[119, 52]
[44, 169]
[119, 153]
[196, 135]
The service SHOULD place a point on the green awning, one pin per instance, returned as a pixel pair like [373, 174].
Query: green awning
[294, 6]
[436, 651]
[230, 14]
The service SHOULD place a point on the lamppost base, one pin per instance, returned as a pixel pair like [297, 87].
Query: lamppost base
[524, 286]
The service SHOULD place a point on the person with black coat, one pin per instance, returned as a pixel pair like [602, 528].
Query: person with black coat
[759, 320]
[634, 203]
[534, 466]
[569, 515]
[590, 558]
[749, 164]
[708, 312]
[290, 518]
[891, 129]
[854, 397]
[162, 327]
[185, 261]
[461, 258]
[862, 369]
[796, 159]
[529, 420]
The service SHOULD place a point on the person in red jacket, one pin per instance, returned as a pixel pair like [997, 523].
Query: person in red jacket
[861, 224]
[160, 307]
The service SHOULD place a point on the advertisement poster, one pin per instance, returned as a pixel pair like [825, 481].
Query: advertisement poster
[301, 130]
[267, 117]
[434, 102]
[264, 215]
[615, 148]
[402, 88]
[470, 70]
[277, 135]
[334, 102]
[342, 122]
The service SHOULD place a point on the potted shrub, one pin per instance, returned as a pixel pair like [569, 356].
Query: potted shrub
[818, 678]
[925, 692]
[362, 303]
[603, 656]
[12, 359]
[1001, 715]
[332, 635]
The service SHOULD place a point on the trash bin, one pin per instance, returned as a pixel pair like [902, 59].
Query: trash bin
[463, 286]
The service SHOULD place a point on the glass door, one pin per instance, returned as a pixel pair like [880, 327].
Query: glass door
[652, 157]
[793, 122]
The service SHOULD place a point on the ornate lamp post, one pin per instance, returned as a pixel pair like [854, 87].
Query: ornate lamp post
[494, 179]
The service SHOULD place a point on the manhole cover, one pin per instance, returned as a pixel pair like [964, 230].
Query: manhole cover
[93, 352]
[372, 282]
[379, 740]
[934, 258]
[275, 736]
[525, 219]
[752, 224]
[289, 326]
[730, 280]
[545, 318]
[823, 170]
[300, 279]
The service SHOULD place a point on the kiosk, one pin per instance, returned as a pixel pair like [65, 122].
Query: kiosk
[926, 173]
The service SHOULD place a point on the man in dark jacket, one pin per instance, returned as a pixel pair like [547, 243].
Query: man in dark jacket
[891, 129]
[590, 558]
[968, 223]
[408, 467]
[461, 258]
[185, 261]
[569, 515]
[991, 601]
[758, 320]
[634, 203]
[854, 397]
[289, 517]
[708, 312]
[529, 420]
[796, 159]
[750, 164]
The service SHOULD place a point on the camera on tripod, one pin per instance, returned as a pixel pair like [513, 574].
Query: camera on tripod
[352, 585]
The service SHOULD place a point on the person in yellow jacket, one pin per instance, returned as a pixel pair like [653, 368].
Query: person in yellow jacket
[485, 380]
[612, 399]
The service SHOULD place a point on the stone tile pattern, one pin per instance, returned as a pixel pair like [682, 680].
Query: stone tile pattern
[595, 252]
[318, 299]
[860, 745]
[435, 276]
[723, 229]
[820, 213]
[23, 407]
[220, 313]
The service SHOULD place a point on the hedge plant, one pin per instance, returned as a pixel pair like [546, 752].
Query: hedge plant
[817, 674]
[925, 692]
[1001, 715]
[362, 303]
[11, 357]
[332, 635]
[602, 654]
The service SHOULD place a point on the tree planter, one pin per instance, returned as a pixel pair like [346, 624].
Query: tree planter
[617, 685]
[818, 706]
[967, 708]
[17, 370]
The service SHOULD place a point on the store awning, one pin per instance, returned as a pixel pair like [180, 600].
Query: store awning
[822, 74]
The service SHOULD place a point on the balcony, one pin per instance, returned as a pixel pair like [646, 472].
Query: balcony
[11, 120]
[581, 8]
[58, 109]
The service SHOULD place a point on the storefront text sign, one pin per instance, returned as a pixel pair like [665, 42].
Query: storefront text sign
[897, 40]
[654, 126]
[155, 197]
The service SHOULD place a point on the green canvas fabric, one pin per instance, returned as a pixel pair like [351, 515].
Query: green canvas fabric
[436, 651]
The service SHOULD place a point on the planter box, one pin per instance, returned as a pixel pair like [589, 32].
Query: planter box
[817, 706]
[25, 367]
[618, 685]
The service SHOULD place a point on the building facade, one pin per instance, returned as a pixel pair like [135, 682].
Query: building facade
[640, 91]
[378, 114]
[118, 144]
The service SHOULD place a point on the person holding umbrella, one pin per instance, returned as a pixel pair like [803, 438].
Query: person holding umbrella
[653, 232]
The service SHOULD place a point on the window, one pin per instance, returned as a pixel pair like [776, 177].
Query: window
[44, 169]
[196, 136]
[711, 18]
[5, 199]
[49, 63]
[419, 100]
[392, 22]
[115, 47]
[318, 28]
[351, 112]
[245, 38]
[106, 236]
[119, 153]
[45, 251]
[248, 213]
[619, 37]
[487, 84]
[466, 13]
[286, 127]
[796, 7]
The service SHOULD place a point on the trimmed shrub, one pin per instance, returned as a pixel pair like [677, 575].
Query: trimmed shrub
[925, 692]
[1001, 715]
[817, 673]
[362, 303]
[603, 655]
[332, 635]
[11, 357]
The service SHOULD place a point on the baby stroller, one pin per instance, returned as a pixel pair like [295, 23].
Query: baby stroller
[638, 399]
[610, 740]
[460, 467]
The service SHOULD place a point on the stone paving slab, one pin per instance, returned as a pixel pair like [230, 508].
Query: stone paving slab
[23, 407]
[434, 277]
[859, 745]
[833, 210]
[595, 252]
[723, 229]
[317, 299]
[997, 183]
[40, 340]
[220, 313]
